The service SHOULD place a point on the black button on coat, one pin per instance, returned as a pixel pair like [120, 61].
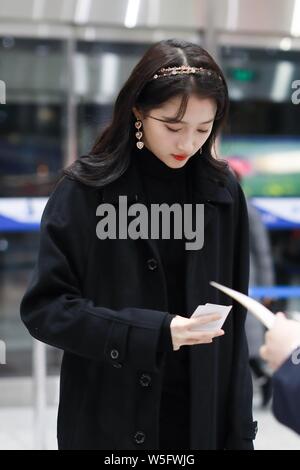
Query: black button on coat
[104, 303]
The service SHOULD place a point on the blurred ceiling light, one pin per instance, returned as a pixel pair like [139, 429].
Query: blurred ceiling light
[82, 11]
[132, 12]
[109, 65]
[80, 76]
[295, 27]
[285, 44]
[282, 80]
[38, 9]
[232, 14]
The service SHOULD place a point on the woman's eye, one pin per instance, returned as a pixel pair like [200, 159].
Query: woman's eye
[172, 130]
[202, 131]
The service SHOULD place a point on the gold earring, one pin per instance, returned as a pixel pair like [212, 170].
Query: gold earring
[139, 134]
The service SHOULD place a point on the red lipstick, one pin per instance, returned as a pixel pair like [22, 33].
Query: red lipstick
[180, 157]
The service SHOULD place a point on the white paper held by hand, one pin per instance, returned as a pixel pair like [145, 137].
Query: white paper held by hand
[260, 311]
[208, 309]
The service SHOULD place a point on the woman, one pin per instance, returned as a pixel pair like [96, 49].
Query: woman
[137, 373]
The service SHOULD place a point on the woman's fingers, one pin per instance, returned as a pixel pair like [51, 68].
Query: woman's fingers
[220, 333]
[184, 330]
[204, 319]
[204, 337]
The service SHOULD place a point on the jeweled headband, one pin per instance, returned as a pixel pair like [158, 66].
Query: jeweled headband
[182, 70]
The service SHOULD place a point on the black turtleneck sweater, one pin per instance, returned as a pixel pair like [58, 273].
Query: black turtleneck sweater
[163, 184]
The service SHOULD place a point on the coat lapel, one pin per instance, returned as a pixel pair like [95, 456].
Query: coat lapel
[206, 188]
[130, 185]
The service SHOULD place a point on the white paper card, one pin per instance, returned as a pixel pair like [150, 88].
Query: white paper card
[207, 309]
[260, 311]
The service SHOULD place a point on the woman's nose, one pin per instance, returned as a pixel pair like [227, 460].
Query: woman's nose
[186, 148]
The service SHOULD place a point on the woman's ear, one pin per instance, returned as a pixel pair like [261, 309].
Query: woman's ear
[136, 113]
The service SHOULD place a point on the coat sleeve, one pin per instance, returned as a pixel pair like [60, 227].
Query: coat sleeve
[53, 307]
[286, 393]
[242, 429]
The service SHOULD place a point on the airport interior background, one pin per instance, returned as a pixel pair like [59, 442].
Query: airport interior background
[62, 63]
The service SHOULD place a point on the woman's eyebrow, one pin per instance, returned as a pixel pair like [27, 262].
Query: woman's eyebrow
[168, 119]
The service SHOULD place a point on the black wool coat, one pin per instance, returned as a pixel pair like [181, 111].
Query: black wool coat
[103, 302]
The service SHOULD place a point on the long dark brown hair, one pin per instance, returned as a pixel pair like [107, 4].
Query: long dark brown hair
[110, 156]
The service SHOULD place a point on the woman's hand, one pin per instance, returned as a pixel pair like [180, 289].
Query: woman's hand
[183, 330]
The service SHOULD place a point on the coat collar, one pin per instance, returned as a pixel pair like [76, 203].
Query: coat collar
[206, 187]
